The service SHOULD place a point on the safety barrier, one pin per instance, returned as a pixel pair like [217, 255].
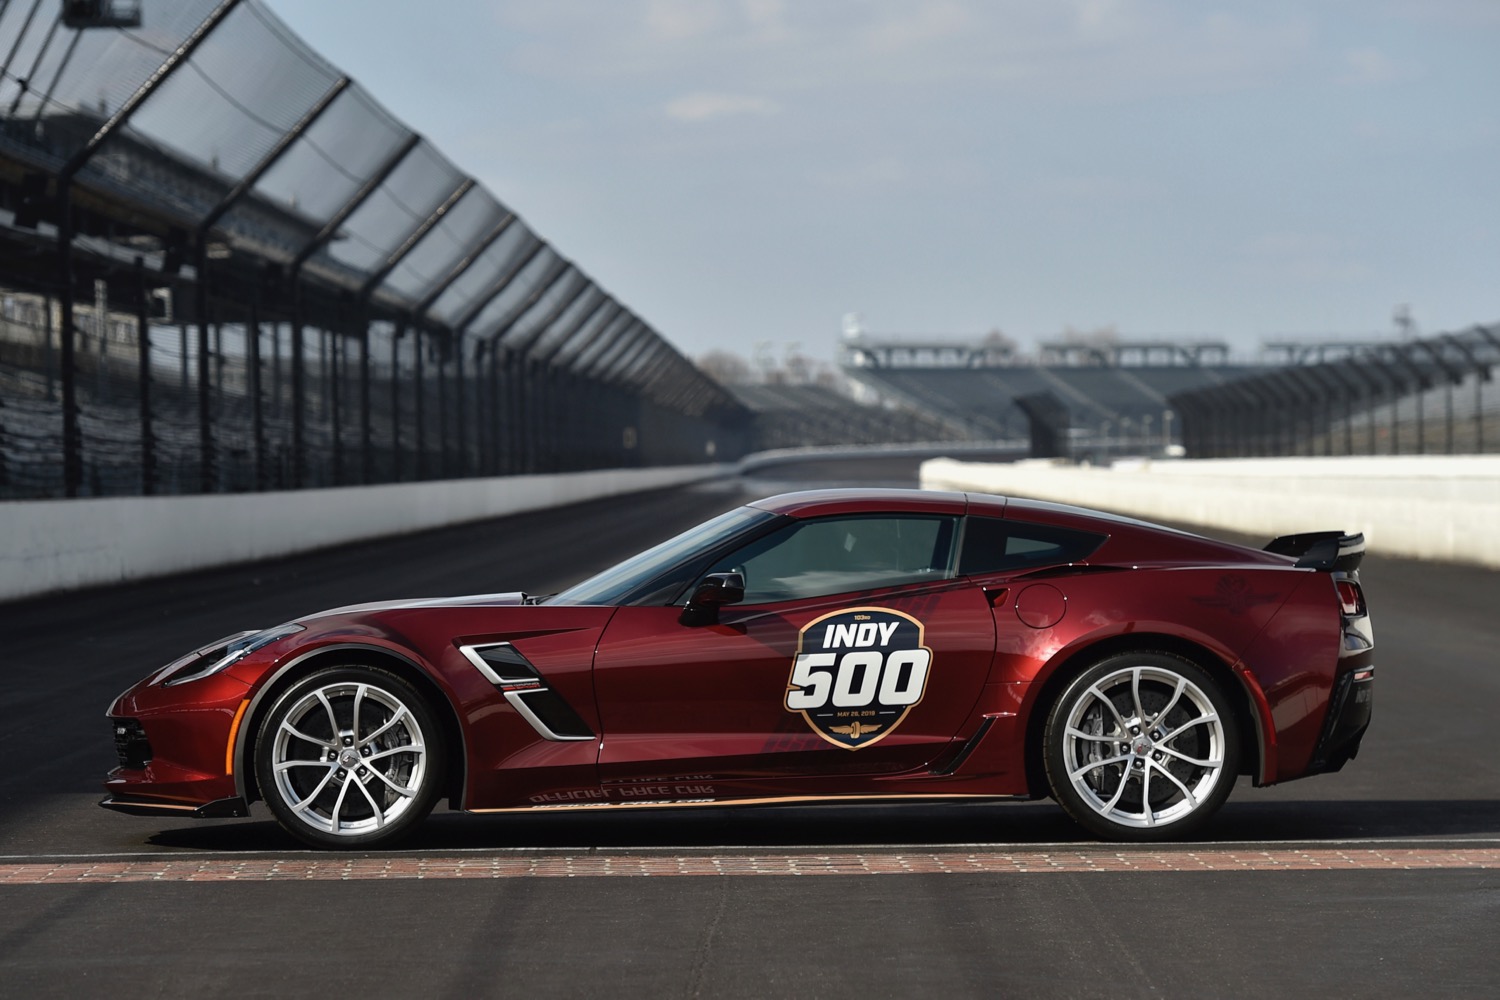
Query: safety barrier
[52, 545]
[1428, 507]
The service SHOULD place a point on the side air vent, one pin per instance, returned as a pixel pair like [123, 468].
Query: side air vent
[507, 658]
[550, 715]
[528, 693]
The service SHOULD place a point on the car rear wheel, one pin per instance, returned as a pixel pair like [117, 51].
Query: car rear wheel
[350, 757]
[1142, 746]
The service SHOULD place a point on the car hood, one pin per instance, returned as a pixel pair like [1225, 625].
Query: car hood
[471, 601]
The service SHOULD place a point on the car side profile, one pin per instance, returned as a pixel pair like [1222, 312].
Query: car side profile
[830, 645]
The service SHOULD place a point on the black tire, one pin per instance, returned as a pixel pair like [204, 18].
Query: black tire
[1142, 747]
[337, 781]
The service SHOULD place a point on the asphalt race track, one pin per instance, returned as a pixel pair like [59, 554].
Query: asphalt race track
[1382, 880]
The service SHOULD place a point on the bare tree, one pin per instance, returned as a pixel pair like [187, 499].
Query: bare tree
[726, 368]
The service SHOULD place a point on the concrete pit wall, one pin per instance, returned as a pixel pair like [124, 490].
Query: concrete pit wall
[1428, 507]
[55, 545]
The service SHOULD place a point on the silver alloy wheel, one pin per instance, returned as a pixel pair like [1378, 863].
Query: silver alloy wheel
[1143, 746]
[348, 758]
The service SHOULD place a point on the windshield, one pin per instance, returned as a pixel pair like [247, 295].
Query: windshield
[615, 584]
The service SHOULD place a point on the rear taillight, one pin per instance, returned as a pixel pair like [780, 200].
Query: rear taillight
[1351, 597]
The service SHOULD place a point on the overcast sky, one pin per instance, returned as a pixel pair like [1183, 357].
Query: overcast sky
[750, 170]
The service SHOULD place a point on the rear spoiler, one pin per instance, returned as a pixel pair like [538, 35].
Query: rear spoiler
[1328, 551]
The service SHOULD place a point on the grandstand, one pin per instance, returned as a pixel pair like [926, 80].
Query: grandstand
[792, 416]
[1104, 397]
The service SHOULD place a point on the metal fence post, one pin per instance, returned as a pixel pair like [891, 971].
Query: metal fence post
[526, 416]
[366, 455]
[442, 411]
[419, 403]
[479, 449]
[462, 442]
[554, 433]
[299, 392]
[257, 411]
[1349, 422]
[67, 374]
[511, 414]
[205, 377]
[493, 422]
[1395, 420]
[334, 342]
[1448, 419]
[143, 376]
[1421, 426]
[396, 336]
[562, 416]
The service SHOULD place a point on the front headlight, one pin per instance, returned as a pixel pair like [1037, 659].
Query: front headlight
[221, 655]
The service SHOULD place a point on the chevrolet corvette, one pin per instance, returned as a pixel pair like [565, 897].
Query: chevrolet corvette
[833, 645]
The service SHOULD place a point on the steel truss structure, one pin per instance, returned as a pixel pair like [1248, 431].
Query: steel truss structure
[225, 266]
[1433, 395]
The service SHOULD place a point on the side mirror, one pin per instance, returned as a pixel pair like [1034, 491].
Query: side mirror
[720, 588]
[712, 592]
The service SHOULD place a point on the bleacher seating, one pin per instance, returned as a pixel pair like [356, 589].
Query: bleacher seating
[789, 416]
[1098, 398]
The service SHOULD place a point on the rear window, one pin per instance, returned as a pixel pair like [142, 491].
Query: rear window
[993, 545]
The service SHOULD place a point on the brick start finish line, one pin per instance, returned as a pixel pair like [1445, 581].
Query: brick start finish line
[300, 869]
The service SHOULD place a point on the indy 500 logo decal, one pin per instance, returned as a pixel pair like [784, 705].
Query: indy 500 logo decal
[857, 673]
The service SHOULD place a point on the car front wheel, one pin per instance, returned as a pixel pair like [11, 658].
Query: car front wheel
[350, 757]
[1142, 746]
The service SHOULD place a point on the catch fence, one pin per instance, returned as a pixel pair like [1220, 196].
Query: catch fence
[1430, 395]
[225, 266]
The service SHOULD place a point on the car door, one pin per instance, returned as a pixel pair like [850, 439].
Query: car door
[855, 651]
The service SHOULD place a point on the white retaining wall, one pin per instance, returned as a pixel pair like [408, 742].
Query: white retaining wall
[51, 545]
[812, 453]
[1424, 506]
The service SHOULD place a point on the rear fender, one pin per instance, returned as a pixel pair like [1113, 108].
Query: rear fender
[1250, 702]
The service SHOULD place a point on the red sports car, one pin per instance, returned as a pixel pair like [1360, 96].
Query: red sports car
[834, 645]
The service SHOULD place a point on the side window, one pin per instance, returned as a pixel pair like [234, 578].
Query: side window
[839, 554]
[992, 545]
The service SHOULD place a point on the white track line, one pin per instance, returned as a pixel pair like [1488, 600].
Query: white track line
[1185, 847]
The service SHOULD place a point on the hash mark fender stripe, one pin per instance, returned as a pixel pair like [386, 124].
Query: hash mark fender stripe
[515, 688]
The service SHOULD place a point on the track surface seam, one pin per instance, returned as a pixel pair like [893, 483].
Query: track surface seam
[645, 865]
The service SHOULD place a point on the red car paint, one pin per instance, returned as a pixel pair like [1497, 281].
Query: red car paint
[687, 712]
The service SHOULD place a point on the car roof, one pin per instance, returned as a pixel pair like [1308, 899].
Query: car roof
[819, 503]
[1130, 540]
